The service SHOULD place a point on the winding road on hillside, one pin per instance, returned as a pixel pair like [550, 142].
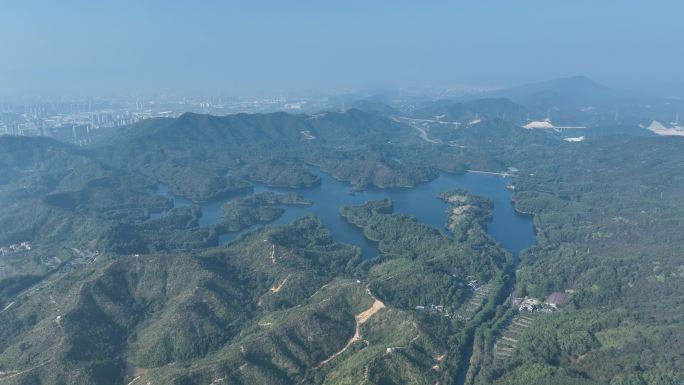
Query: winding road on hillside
[360, 319]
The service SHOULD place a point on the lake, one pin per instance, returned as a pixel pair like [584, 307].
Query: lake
[514, 231]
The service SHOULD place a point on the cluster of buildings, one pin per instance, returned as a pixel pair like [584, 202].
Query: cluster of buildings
[4, 250]
[473, 284]
[548, 305]
[77, 121]
[479, 289]
[73, 123]
[439, 310]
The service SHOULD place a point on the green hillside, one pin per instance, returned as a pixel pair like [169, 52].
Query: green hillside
[468, 111]
[120, 287]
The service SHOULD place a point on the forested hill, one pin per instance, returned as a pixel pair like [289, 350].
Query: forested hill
[31, 166]
[350, 127]
[270, 148]
[94, 290]
[474, 110]
[609, 234]
[568, 92]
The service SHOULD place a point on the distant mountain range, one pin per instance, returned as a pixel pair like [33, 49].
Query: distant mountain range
[566, 102]
[570, 92]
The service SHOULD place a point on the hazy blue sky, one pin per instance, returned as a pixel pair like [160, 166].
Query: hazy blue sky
[89, 47]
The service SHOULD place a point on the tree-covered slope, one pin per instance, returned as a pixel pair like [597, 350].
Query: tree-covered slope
[106, 294]
[192, 153]
[473, 110]
[283, 305]
[608, 218]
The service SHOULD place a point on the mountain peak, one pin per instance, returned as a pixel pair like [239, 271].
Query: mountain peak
[581, 79]
[560, 92]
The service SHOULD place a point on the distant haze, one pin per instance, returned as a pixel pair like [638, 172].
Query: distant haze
[256, 47]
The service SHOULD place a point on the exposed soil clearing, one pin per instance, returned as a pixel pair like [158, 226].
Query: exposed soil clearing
[9, 305]
[307, 135]
[458, 214]
[360, 318]
[279, 286]
[135, 372]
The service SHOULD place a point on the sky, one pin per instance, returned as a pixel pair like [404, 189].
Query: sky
[101, 48]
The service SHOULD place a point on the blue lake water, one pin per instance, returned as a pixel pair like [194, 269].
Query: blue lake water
[512, 230]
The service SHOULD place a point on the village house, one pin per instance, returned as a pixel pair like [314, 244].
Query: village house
[4, 250]
[528, 304]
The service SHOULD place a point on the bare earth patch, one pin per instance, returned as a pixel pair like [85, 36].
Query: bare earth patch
[279, 286]
[360, 318]
[458, 214]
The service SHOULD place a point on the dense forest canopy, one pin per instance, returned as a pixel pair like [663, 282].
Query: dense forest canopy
[94, 288]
